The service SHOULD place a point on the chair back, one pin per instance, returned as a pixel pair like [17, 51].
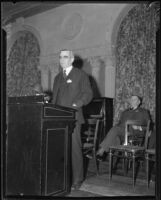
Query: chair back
[137, 133]
[93, 128]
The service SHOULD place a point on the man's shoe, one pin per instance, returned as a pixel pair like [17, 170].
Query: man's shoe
[89, 155]
[99, 158]
[76, 186]
[100, 151]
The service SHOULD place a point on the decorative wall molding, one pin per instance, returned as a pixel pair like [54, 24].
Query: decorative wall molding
[72, 26]
[16, 30]
[11, 10]
[20, 21]
[8, 29]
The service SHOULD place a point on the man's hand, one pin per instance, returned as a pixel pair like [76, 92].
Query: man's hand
[137, 127]
[46, 98]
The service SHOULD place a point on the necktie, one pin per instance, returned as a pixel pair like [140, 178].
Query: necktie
[64, 74]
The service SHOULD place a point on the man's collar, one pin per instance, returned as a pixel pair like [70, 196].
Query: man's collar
[136, 108]
[68, 69]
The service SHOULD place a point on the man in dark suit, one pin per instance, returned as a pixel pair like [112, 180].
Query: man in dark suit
[116, 134]
[72, 89]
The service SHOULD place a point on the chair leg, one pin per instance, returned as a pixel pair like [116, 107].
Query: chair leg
[133, 161]
[110, 165]
[147, 169]
[114, 163]
[96, 162]
[125, 165]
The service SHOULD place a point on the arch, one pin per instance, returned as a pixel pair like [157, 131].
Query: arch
[116, 28]
[18, 33]
[22, 64]
[135, 60]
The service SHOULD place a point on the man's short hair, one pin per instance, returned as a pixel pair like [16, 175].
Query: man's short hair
[70, 51]
[139, 97]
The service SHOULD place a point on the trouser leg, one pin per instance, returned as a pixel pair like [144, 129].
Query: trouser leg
[77, 156]
[112, 138]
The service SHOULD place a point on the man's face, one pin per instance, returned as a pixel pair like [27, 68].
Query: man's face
[65, 59]
[134, 101]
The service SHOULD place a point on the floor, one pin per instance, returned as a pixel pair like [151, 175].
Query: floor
[99, 186]
[95, 186]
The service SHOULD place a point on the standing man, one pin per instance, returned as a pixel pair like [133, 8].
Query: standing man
[72, 89]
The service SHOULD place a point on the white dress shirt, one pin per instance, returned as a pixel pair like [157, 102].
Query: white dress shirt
[67, 70]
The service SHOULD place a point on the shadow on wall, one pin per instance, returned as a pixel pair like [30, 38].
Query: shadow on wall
[79, 63]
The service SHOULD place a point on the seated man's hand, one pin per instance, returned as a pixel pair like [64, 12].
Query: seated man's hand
[46, 98]
[137, 127]
[77, 104]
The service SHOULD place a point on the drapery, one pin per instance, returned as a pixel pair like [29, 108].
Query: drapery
[22, 63]
[136, 59]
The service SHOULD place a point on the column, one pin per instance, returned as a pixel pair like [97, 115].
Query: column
[109, 79]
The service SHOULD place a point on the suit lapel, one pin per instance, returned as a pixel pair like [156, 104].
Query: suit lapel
[60, 77]
[71, 74]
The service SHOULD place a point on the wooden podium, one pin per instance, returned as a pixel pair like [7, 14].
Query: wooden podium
[38, 147]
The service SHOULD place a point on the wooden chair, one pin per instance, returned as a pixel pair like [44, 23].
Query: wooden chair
[133, 148]
[150, 157]
[92, 139]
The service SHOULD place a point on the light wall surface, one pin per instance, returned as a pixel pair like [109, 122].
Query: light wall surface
[88, 29]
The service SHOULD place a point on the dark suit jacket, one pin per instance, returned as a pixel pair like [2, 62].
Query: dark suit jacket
[140, 114]
[118, 131]
[76, 89]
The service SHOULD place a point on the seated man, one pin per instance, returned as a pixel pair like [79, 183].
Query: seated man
[115, 136]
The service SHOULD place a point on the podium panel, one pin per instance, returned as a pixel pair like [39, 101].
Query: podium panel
[56, 157]
[55, 167]
[38, 147]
